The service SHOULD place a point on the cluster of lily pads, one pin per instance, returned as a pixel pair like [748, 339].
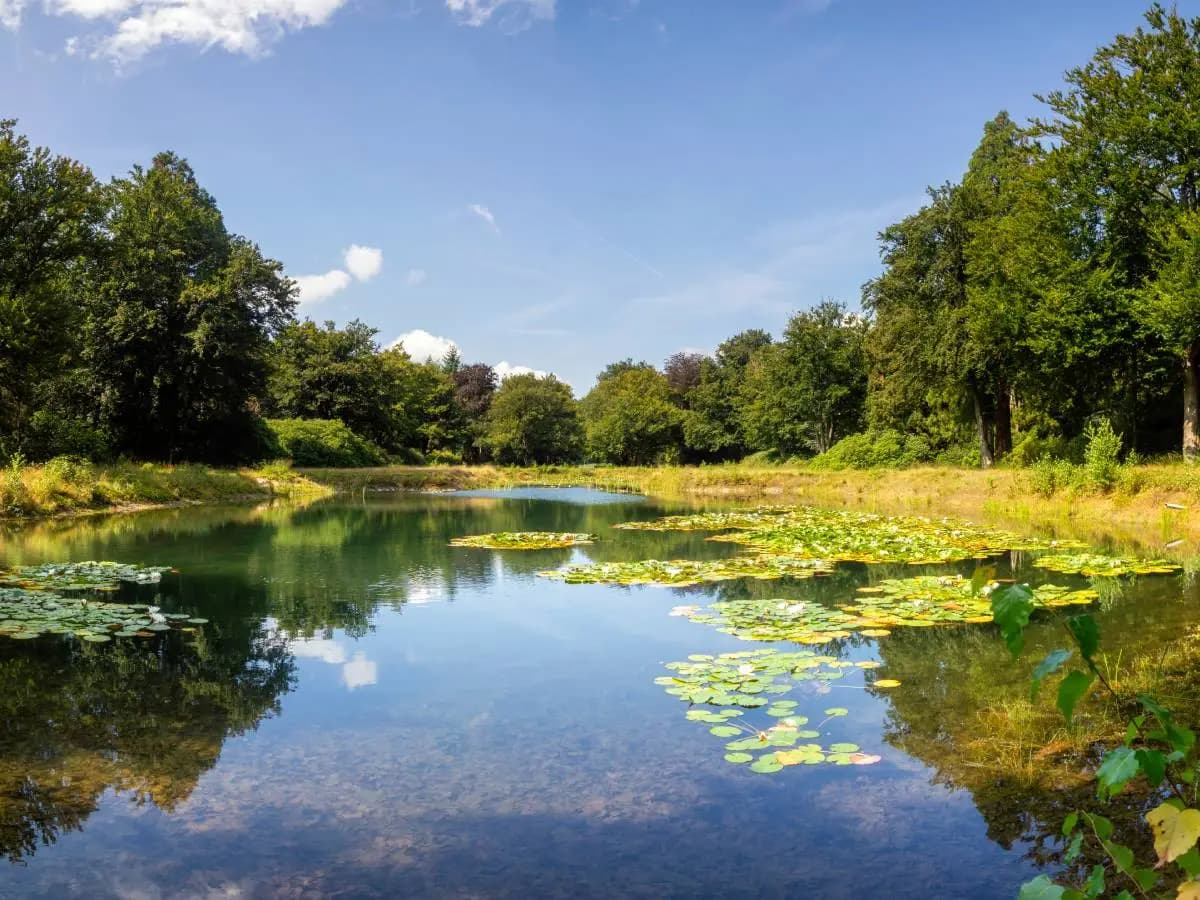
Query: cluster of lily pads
[722, 689]
[523, 540]
[923, 601]
[685, 572]
[82, 576]
[1093, 564]
[38, 600]
[851, 536]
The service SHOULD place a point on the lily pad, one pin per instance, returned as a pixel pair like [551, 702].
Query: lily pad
[524, 540]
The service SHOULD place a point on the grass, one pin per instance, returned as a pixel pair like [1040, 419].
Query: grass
[64, 486]
[1136, 514]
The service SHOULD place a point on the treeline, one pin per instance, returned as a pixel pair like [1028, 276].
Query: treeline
[1055, 286]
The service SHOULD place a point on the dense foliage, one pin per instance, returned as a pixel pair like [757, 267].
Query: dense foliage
[1053, 286]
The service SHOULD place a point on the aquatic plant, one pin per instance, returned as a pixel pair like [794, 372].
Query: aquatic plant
[919, 602]
[32, 602]
[1092, 564]
[523, 540]
[82, 576]
[721, 689]
[684, 572]
[26, 614]
[851, 536]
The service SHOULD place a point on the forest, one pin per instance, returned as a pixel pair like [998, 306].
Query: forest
[1050, 290]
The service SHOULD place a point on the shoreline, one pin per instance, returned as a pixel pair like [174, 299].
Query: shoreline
[1154, 518]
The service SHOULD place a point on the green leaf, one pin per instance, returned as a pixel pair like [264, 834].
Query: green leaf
[1041, 888]
[1072, 688]
[1011, 608]
[1069, 823]
[1094, 886]
[1189, 862]
[1073, 849]
[1118, 767]
[1153, 764]
[1086, 633]
[1052, 663]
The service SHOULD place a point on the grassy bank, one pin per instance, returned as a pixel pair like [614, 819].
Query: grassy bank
[63, 487]
[1138, 510]
[1147, 507]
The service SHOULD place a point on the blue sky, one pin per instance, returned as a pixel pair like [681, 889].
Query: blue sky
[548, 184]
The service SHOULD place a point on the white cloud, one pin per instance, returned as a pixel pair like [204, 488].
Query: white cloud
[415, 277]
[422, 346]
[318, 288]
[126, 30]
[363, 263]
[10, 12]
[504, 370]
[511, 15]
[486, 214]
[318, 648]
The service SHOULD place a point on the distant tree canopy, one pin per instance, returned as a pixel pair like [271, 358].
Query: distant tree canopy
[533, 420]
[1055, 282]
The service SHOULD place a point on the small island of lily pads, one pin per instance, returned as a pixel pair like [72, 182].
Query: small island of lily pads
[34, 602]
[524, 540]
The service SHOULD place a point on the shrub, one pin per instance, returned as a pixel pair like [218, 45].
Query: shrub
[1102, 454]
[323, 443]
[1048, 476]
[1033, 446]
[886, 449]
[444, 458]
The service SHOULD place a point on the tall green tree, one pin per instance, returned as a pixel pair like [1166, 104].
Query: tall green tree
[808, 391]
[533, 420]
[50, 209]
[179, 320]
[1127, 130]
[630, 419]
[326, 372]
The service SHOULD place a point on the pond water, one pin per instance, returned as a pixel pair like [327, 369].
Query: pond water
[372, 713]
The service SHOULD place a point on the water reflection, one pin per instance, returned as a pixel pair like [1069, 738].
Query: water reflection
[373, 713]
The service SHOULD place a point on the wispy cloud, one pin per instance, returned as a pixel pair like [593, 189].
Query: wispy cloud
[416, 277]
[361, 263]
[485, 214]
[510, 15]
[126, 30]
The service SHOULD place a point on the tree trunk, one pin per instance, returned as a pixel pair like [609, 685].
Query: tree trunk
[985, 445]
[1003, 421]
[1191, 403]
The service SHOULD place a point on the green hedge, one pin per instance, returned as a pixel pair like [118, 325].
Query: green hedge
[325, 443]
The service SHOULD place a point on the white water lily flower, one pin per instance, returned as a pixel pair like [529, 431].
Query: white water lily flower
[796, 608]
[745, 669]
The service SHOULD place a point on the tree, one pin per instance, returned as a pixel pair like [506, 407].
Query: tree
[1125, 127]
[623, 365]
[474, 387]
[50, 208]
[738, 350]
[808, 391]
[630, 419]
[712, 424]
[683, 373]
[533, 420]
[452, 361]
[326, 372]
[179, 320]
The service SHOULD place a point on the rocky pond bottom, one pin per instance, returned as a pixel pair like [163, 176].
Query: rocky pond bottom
[350, 699]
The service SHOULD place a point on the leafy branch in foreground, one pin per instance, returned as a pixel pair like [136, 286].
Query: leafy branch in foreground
[1155, 747]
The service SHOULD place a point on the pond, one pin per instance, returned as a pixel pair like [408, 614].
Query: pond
[369, 712]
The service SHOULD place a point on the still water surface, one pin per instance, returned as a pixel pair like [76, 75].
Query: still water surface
[371, 713]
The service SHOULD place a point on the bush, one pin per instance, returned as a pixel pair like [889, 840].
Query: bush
[1033, 446]
[886, 449]
[51, 435]
[444, 458]
[1048, 476]
[324, 443]
[1102, 454]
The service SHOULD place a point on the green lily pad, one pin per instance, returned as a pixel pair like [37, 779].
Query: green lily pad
[524, 540]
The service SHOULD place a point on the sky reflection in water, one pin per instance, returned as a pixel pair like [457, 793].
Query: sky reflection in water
[378, 714]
